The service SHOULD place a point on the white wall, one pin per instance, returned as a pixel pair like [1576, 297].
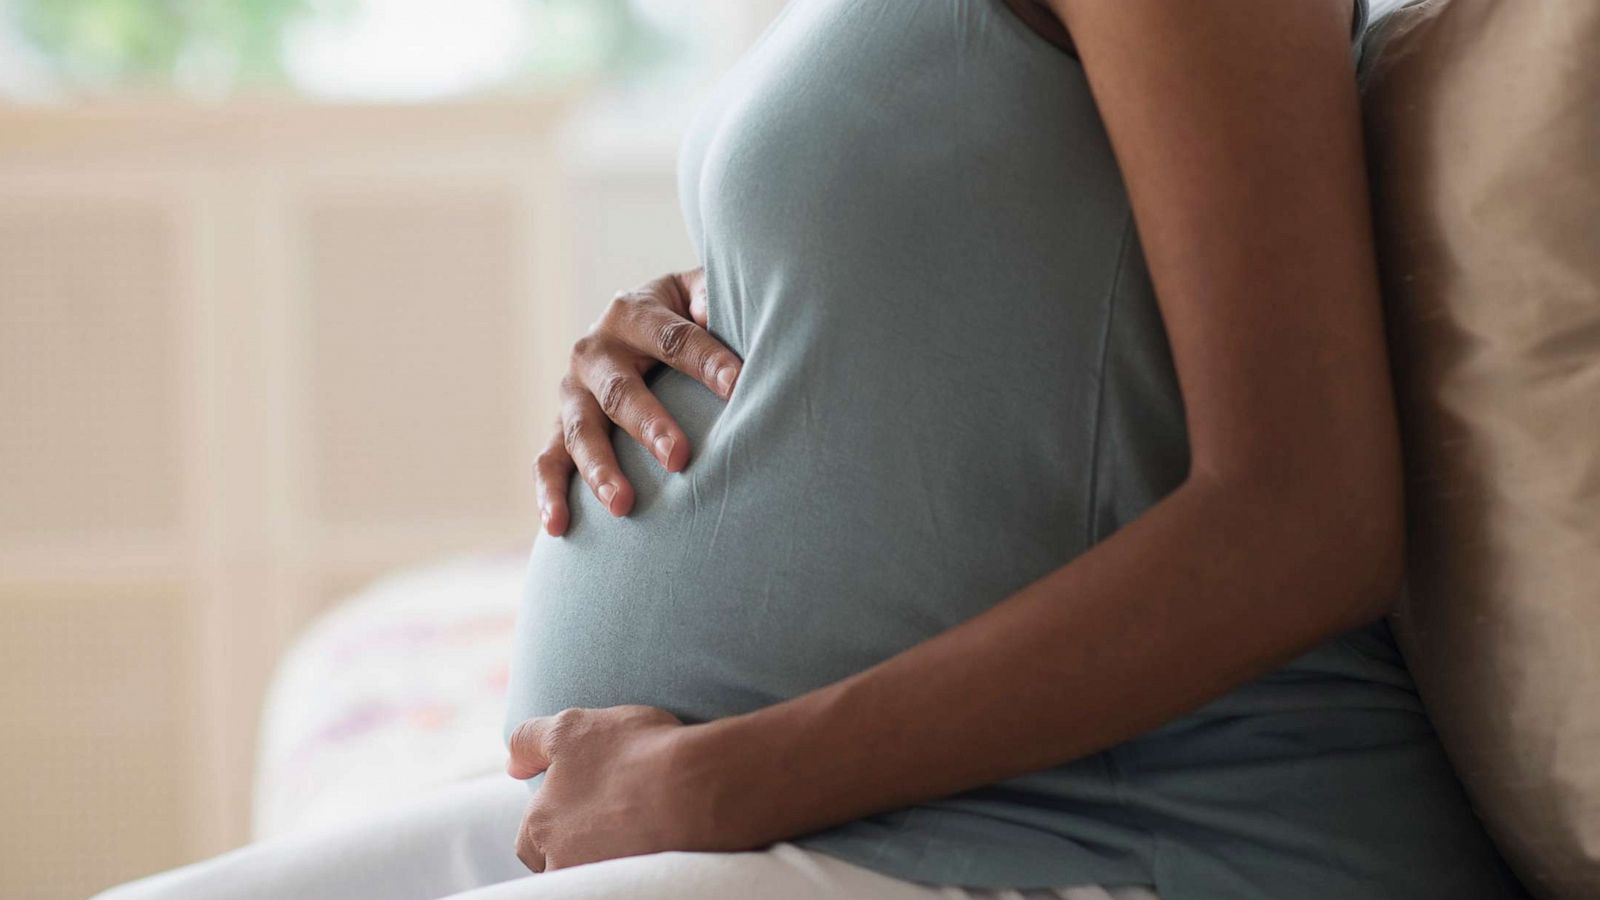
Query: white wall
[251, 357]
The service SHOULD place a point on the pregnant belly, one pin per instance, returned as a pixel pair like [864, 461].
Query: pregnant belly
[796, 549]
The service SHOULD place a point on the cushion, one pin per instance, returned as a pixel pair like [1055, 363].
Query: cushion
[1483, 124]
[394, 692]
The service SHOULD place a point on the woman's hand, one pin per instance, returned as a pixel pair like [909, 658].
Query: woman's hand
[662, 322]
[618, 782]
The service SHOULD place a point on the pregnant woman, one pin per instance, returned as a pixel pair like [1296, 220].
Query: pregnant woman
[1015, 510]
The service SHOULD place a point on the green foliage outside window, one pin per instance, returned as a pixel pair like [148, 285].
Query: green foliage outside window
[98, 45]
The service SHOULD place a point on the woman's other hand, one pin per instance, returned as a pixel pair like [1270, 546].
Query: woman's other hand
[617, 782]
[663, 321]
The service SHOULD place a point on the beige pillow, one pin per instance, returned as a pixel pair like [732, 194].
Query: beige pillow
[1483, 123]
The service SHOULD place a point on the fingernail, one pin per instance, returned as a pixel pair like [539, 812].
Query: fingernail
[664, 446]
[607, 491]
[544, 516]
[725, 380]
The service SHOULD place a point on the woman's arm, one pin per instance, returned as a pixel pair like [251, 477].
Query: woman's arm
[1237, 130]
[1236, 127]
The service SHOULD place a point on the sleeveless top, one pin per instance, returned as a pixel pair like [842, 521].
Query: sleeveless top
[956, 380]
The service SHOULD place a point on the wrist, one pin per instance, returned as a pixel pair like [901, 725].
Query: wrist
[729, 783]
[742, 773]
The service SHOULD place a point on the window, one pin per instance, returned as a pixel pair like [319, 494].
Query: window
[360, 50]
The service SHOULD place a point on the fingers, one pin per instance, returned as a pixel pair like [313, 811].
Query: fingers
[662, 322]
[666, 321]
[552, 474]
[587, 436]
[659, 333]
[625, 399]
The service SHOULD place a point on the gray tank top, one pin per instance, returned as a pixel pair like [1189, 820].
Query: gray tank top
[956, 380]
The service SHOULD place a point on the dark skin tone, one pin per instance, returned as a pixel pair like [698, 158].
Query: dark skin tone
[1236, 126]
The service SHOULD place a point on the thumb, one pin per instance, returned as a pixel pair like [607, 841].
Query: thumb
[529, 746]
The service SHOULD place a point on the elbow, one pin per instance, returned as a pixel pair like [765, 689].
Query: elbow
[1381, 567]
[1353, 545]
[1358, 549]
[1337, 537]
[1373, 508]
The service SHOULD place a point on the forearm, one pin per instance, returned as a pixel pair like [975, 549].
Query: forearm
[1210, 588]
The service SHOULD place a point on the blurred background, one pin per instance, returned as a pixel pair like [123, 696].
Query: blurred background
[285, 289]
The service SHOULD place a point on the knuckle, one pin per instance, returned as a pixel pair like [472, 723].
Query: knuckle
[548, 461]
[528, 856]
[622, 305]
[651, 427]
[672, 338]
[564, 726]
[613, 392]
[584, 347]
[571, 433]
